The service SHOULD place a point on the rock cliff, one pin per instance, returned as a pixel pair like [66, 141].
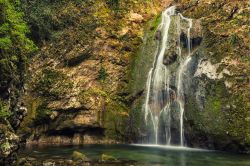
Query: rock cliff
[217, 100]
[78, 91]
[87, 80]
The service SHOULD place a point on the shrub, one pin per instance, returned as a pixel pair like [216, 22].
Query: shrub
[4, 111]
[15, 47]
[102, 74]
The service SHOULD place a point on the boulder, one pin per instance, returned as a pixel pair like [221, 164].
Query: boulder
[78, 156]
[105, 157]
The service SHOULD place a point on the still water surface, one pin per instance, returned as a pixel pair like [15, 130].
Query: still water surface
[144, 155]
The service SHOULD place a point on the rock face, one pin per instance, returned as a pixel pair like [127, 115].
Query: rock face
[217, 102]
[87, 80]
[218, 114]
[78, 90]
[9, 140]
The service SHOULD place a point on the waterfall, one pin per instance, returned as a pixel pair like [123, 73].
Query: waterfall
[160, 91]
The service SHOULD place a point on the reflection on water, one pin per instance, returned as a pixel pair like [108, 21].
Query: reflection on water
[183, 160]
[144, 155]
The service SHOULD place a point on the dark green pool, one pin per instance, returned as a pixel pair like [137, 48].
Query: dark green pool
[145, 155]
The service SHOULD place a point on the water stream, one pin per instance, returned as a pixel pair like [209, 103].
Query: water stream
[165, 85]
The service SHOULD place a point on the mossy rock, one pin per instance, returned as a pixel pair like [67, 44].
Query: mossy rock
[105, 157]
[24, 162]
[42, 114]
[78, 156]
[53, 84]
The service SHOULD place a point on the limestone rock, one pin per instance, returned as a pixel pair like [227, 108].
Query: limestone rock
[135, 17]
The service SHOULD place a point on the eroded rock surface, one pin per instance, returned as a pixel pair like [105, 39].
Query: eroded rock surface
[78, 89]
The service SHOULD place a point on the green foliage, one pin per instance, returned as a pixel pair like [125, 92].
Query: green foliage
[155, 23]
[234, 39]
[15, 47]
[216, 105]
[5, 43]
[13, 29]
[42, 114]
[49, 78]
[4, 111]
[47, 19]
[102, 74]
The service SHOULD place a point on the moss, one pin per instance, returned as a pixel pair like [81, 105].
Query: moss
[42, 114]
[142, 61]
[6, 147]
[115, 116]
[222, 121]
[32, 106]
[136, 122]
[113, 113]
[102, 74]
[49, 18]
[4, 111]
[234, 39]
[238, 123]
[105, 157]
[78, 156]
[155, 23]
[216, 105]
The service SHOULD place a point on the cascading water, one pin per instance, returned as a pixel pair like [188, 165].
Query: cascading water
[165, 84]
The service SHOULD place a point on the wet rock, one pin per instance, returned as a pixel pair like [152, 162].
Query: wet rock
[49, 163]
[22, 161]
[196, 41]
[105, 158]
[168, 60]
[78, 156]
[20, 111]
[158, 35]
[9, 143]
[69, 162]
[205, 67]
